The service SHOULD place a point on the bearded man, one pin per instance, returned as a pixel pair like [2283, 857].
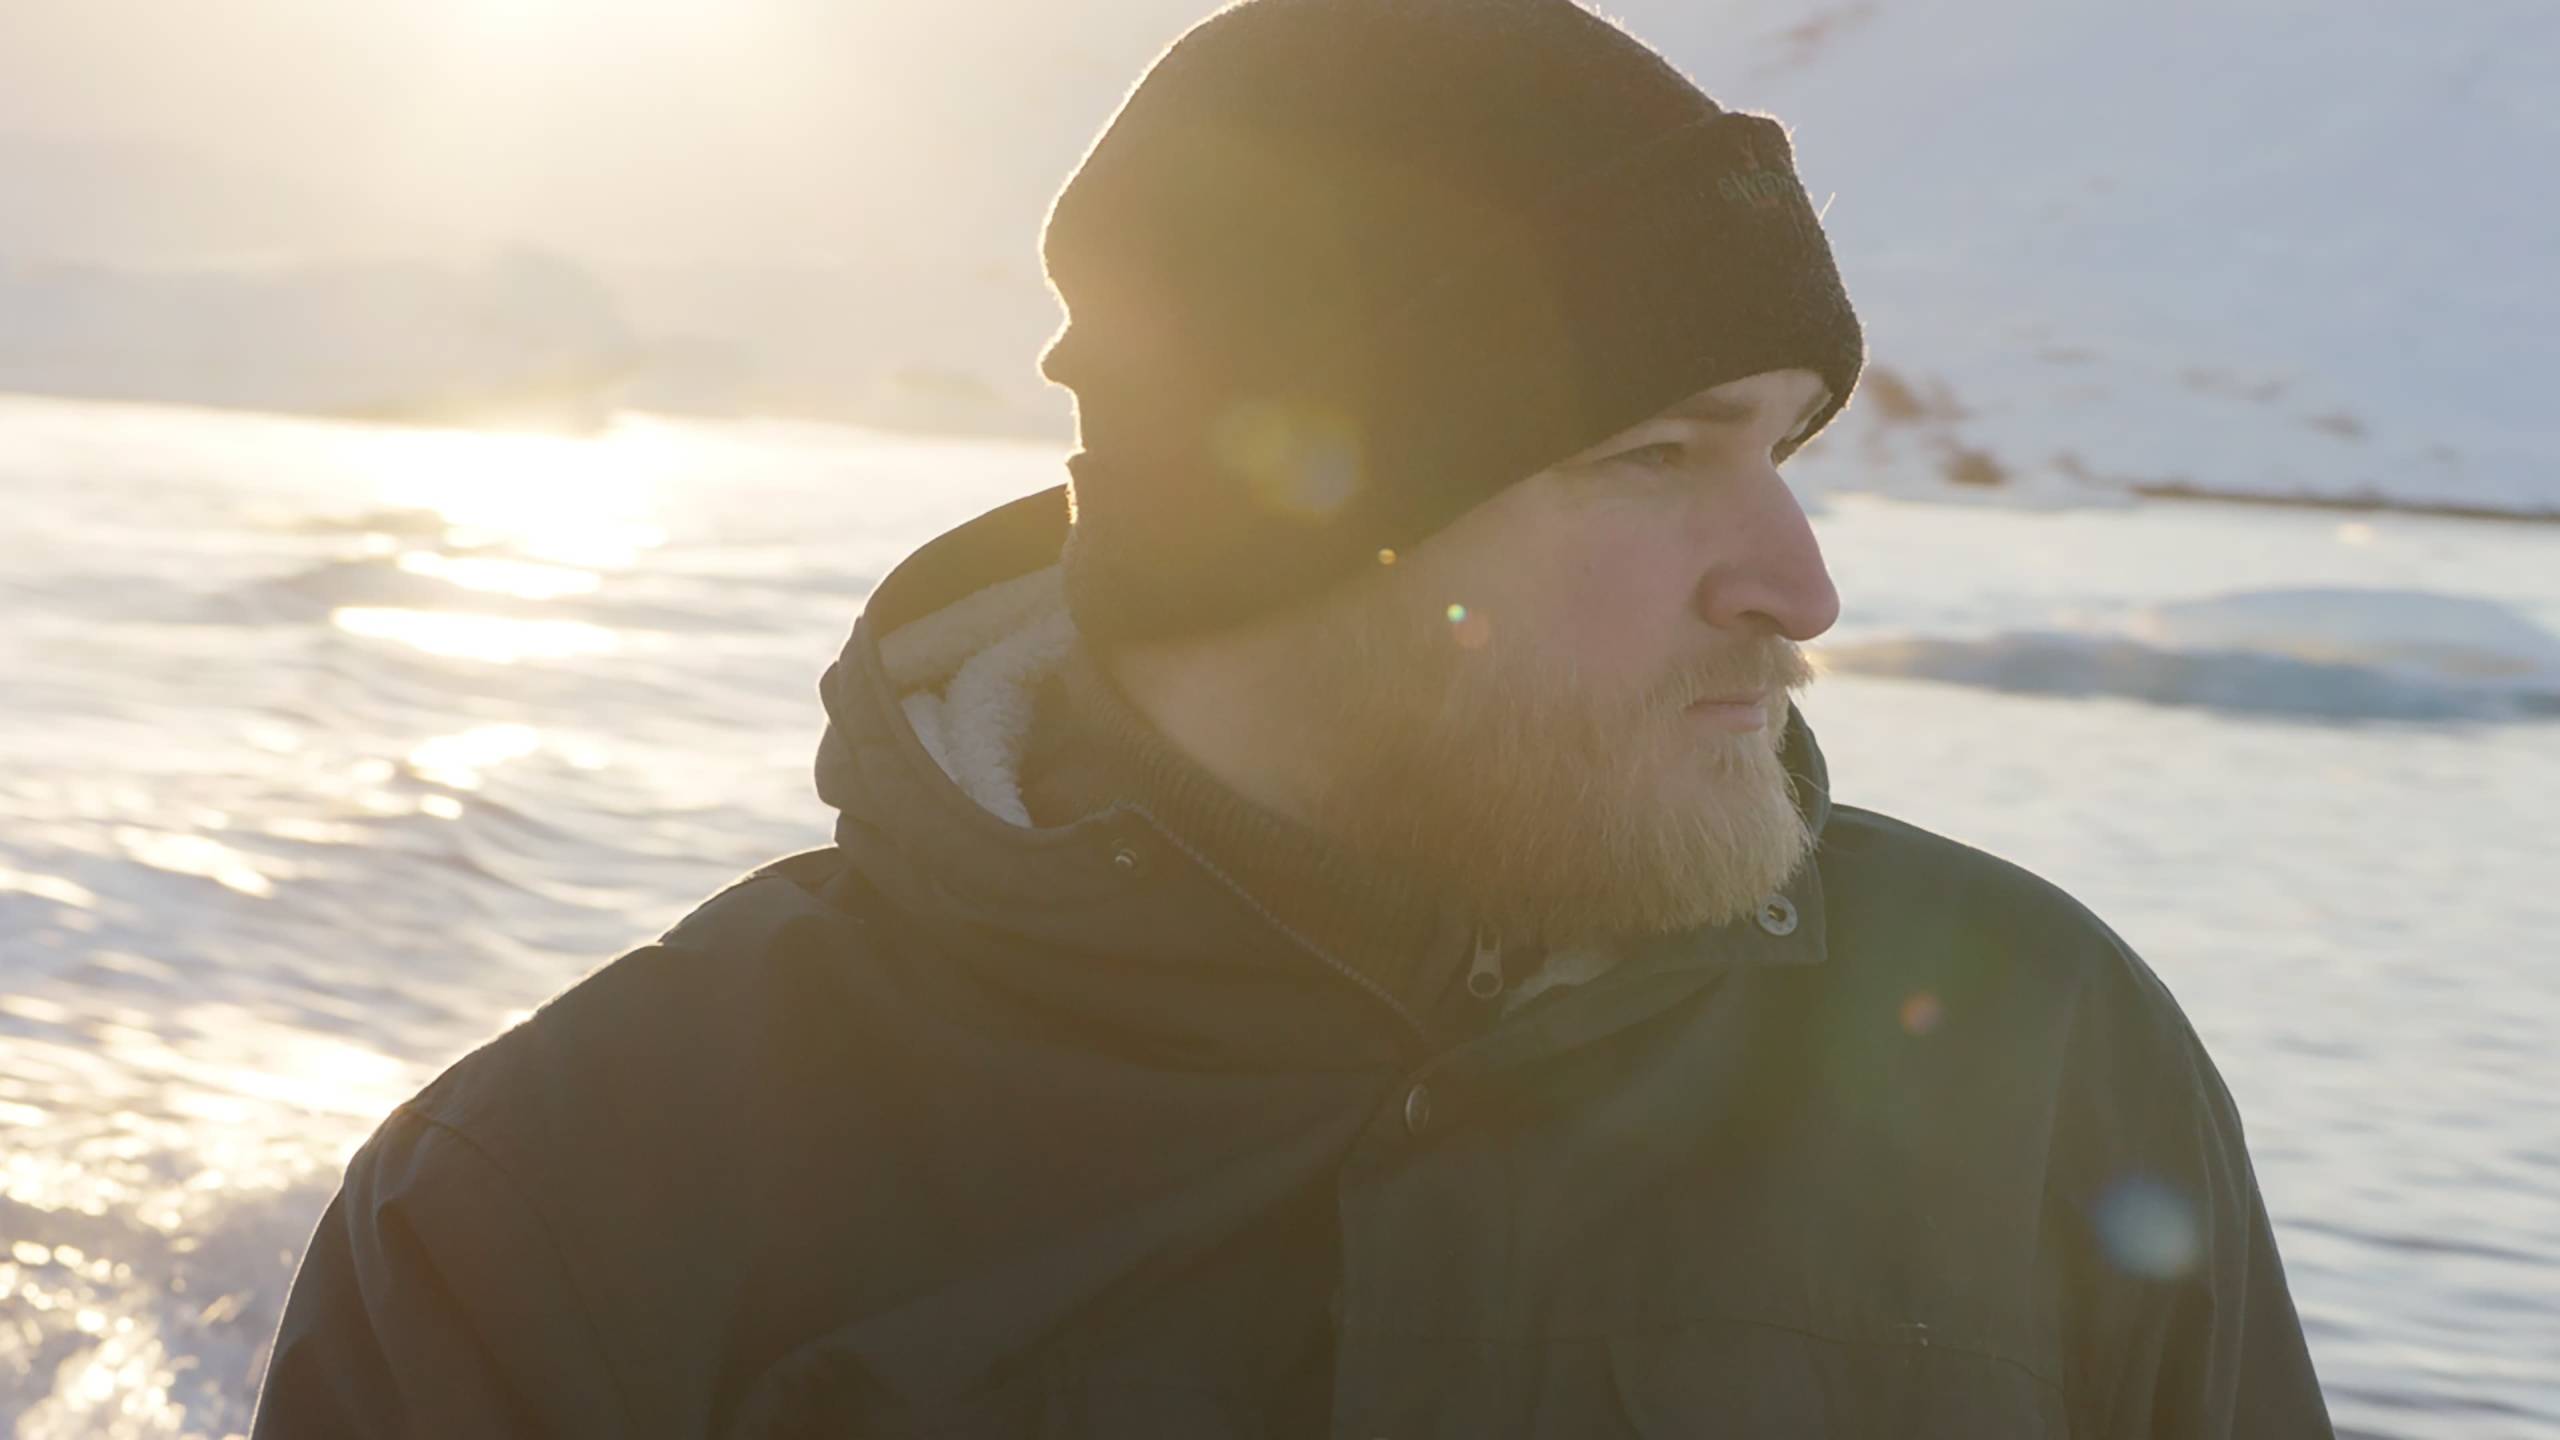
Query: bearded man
[1336, 923]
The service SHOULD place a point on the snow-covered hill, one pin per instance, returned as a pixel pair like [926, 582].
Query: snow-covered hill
[2261, 246]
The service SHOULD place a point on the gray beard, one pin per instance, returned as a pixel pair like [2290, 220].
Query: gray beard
[1539, 811]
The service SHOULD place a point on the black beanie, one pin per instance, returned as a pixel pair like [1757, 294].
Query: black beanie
[1340, 269]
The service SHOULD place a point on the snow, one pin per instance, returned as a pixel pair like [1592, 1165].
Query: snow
[2272, 248]
[2457, 638]
[2330, 654]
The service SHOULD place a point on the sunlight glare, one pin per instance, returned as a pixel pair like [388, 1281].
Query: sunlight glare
[588, 504]
[498, 639]
[523, 579]
[456, 761]
[196, 855]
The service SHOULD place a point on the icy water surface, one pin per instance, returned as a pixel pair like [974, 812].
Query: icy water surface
[327, 750]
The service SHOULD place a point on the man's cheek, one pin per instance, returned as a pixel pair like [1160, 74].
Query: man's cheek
[1618, 596]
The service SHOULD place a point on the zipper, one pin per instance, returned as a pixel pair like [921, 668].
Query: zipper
[1340, 967]
[1484, 977]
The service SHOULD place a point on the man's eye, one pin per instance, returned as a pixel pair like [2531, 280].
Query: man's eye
[1660, 452]
[1663, 453]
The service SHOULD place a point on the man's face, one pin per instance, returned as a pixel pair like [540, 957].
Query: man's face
[1514, 694]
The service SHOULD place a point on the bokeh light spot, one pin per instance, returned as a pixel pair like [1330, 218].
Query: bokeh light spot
[1470, 627]
[1921, 1013]
[1298, 460]
[2148, 1228]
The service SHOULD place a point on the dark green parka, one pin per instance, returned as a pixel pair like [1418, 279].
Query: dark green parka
[969, 1127]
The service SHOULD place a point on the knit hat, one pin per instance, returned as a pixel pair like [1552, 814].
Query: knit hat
[1340, 269]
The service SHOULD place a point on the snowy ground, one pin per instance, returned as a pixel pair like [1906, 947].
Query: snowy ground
[326, 749]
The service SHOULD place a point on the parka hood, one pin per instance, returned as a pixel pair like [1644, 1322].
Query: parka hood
[929, 707]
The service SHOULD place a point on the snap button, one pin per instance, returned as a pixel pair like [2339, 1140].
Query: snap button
[1128, 859]
[1417, 1109]
[1778, 915]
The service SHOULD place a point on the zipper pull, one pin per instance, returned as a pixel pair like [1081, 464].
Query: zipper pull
[1484, 977]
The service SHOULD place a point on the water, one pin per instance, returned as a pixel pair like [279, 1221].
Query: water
[327, 750]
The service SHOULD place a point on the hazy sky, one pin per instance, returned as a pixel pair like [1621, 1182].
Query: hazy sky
[612, 128]
[620, 127]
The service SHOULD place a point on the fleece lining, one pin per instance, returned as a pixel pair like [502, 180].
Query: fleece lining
[966, 675]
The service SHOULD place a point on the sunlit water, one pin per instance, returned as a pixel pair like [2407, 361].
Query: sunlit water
[327, 750]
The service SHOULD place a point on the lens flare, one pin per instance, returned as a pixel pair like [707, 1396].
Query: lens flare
[1470, 628]
[1298, 460]
[2148, 1228]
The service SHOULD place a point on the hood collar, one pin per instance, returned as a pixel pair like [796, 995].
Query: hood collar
[973, 612]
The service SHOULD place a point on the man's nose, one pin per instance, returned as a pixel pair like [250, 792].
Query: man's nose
[1764, 572]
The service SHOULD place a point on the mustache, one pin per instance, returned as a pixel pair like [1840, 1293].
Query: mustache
[1776, 667]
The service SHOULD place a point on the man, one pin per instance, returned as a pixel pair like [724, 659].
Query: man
[1336, 926]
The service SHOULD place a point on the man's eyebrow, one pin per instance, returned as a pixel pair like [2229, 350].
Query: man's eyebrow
[1723, 411]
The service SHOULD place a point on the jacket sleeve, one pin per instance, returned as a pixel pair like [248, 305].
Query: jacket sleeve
[2185, 1324]
[433, 1302]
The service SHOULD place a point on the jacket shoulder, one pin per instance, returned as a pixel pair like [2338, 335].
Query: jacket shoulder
[667, 1029]
[629, 1133]
[2172, 1312]
[1879, 849]
[1922, 911]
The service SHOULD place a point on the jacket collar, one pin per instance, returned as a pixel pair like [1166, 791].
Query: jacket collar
[943, 852]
